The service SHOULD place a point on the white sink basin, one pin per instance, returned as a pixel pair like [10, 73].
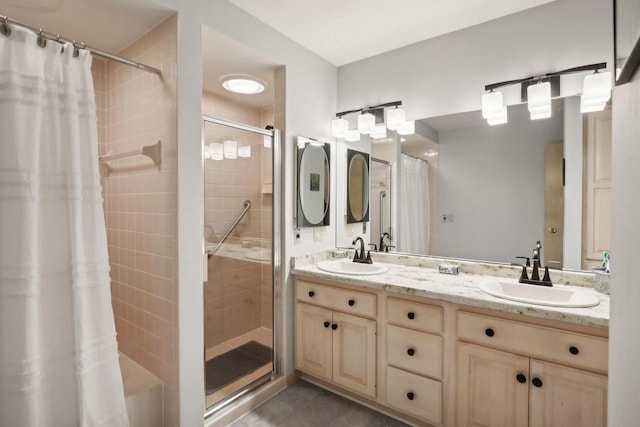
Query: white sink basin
[260, 255]
[540, 295]
[353, 268]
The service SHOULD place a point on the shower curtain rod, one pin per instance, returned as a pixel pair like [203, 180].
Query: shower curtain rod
[4, 20]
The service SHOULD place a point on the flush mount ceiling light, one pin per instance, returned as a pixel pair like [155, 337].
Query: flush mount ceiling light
[371, 122]
[538, 91]
[243, 84]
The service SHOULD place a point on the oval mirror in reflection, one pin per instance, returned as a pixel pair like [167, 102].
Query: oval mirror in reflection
[357, 187]
[313, 183]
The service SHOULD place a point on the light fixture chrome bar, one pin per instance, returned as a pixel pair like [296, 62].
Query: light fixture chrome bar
[373, 107]
[582, 68]
[57, 38]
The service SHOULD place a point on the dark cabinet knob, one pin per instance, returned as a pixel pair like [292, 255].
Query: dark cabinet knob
[411, 351]
[411, 315]
[352, 302]
[489, 332]
[334, 326]
[521, 378]
[410, 395]
[574, 350]
[537, 382]
[311, 294]
[326, 324]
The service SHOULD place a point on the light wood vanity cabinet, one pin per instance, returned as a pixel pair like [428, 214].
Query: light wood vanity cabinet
[443, 364]
[514, 387]
[335, 346]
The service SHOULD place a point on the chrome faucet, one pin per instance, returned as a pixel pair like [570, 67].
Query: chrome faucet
[360, 256]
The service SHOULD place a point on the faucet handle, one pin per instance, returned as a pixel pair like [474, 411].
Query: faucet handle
[375, 247]
[527, 263]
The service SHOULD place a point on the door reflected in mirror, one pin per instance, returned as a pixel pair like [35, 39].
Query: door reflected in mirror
[313, 182]
[357, 187]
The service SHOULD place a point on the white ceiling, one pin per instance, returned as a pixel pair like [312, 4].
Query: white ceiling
[110, 25]
[346, 31]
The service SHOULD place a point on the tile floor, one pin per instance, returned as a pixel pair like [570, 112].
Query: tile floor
[306, 405]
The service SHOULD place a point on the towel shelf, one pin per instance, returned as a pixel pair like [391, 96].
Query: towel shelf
[154, 152]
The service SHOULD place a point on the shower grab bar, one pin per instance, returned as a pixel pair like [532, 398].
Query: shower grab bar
[383, 194]
[246, 205]
[153, 152]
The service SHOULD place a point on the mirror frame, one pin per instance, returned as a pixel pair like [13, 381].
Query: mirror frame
[366, 186]
[301, 219]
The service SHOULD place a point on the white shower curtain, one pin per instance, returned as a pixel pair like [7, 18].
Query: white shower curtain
[413, 209]
[58, 351]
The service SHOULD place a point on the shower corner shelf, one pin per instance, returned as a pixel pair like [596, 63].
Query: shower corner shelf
[154, 152]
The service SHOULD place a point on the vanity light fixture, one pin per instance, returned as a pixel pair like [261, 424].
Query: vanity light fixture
[230, 149]
[352, 136]
[538, 91]
[244, 151]
[243, 84]
[539, 104]
[596, 91]
[371, 121]
[217, 151]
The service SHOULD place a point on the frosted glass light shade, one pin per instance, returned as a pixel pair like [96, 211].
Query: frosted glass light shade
[498, 118]
[539, 100]
[492, 104]
[407, 128]
[339, 128]
[395, 118]
[244, 151]
[207, 152]
[366, 123]
[217, 151]
[352, 136]
[589, 107]
[380, 131]
[596, 91]
[230, 149]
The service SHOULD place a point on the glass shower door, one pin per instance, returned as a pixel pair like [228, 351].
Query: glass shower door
[380, 199]
[239, 241]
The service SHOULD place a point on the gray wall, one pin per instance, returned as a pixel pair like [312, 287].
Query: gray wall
[624, 338]
[491, 178]
[447, 74]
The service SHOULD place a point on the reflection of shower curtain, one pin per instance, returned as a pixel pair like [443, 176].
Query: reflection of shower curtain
[413, 209]
[58, 357]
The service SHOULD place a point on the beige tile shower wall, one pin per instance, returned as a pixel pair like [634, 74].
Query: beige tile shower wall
[235, 292]
[141, 206]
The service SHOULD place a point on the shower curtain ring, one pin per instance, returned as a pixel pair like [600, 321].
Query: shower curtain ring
[4, 28]
[42, 41]
[76, 49]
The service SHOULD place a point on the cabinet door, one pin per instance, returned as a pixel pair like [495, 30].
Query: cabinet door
[488, 391]
[313, 340]
[354, 353]
[562, 396]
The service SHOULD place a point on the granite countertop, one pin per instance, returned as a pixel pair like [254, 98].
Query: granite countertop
[460, 289]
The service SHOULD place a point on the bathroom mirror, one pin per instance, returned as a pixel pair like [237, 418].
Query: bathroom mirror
[491, 192]
[357, 187]
[313, 177]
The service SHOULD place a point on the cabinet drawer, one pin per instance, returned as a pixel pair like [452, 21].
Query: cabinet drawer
[415, 395]
[414, 351]
[414, 315]
[555, 345]
[345, 300]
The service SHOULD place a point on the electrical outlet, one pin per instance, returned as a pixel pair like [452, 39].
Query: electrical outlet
[447, 217]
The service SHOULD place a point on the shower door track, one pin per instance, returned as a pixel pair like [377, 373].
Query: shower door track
[276, 238]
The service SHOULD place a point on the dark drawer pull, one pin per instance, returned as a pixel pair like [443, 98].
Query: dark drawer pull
[327, 324]
[411, 315]
[489, 332]
[311, 294]
[574, 350]
[334, 326]
[411, 351]
[521, 378]
[352, 302]
[537, 382]
[410, 395]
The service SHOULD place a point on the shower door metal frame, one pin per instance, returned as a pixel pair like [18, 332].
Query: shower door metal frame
[276, 248]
